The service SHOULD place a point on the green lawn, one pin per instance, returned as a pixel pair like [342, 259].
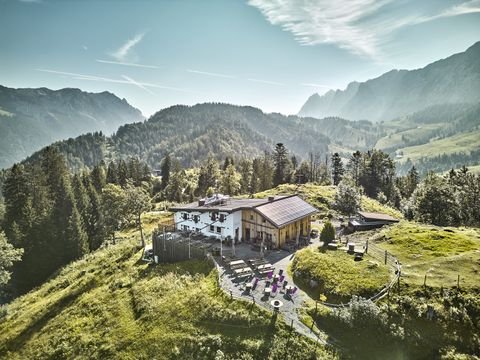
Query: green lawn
[111, 305]
[441, 253]
[417, 132]
[337, 274]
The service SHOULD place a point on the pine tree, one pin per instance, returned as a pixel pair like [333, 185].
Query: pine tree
[122, 173]
[175, 189]
[245, 176]
[208, 177]
[337, 169]
[165, 169]
[98, 177]
[354, 166]
[230, 182]
[266, 172]
[94, 225]
[327, 235]
[112, 177]
[347, 198]
[280, 160]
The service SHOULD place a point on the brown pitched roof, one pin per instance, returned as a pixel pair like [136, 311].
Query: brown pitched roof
[284, 211]
[377, 216]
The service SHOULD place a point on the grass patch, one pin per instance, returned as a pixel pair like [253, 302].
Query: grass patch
[440, 253]
[338, 276]
[111, 305]
[462, 142]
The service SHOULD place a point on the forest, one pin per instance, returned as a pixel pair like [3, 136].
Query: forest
[51, 216]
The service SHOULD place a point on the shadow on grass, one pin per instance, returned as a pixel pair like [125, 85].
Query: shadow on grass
[36, 325]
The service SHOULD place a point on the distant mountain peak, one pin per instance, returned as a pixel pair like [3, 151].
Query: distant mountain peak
[397, 93]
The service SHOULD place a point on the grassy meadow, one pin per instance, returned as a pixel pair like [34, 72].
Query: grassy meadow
[440, 253]
[111, 305]
[337, 274]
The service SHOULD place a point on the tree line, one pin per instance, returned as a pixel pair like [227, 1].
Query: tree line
[55, 217]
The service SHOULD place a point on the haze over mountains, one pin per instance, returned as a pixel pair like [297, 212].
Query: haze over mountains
[454, 80]
[33, 118]
[432, 120]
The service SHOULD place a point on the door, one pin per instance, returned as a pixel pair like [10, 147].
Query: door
[236, 234]
[247, 234]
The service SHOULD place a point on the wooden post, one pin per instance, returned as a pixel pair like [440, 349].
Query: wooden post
[291, 325]
[386, 256]
[458, 281]
[366, 247]
[425, 281]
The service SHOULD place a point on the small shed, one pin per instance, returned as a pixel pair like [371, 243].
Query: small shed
[368, 220]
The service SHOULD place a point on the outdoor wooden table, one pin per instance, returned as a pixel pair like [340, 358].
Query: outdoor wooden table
[237, 262]
[264, 266]
[244, 270]
[238, 266]
[276, 277]
[267, 291]
[288, 289]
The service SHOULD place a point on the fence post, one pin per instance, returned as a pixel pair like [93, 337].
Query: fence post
[458, 281]
[386, 255]
[425, 281]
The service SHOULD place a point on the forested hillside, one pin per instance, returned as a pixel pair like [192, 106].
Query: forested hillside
[33, 118]
[192, 133]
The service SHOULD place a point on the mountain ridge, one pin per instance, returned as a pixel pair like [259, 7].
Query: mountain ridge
[455, 79]
[31, 118]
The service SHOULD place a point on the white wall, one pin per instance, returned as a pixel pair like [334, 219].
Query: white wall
[231, 222]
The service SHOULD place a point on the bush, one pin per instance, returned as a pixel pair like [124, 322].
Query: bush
[328, 233]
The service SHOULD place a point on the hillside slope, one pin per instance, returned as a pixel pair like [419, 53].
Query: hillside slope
[396, 93]
[112, 305]
[33, 118]
[192, 133]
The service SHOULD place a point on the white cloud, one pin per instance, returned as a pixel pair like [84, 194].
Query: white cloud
[358, 26]
[125, 80]
[211, 74]
[122, 52]
[127, 64]
[137, 84]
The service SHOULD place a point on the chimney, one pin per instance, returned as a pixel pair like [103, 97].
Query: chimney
[271, 198]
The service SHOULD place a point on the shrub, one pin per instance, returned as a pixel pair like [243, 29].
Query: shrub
[328, 233]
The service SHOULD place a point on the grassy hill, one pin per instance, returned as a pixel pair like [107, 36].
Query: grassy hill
[463, 142]
[323, 197]
[112, 305]
[440, 253]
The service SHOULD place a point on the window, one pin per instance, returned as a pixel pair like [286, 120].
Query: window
[222, 218]
[219, 230]
[264, 220]
[251, 216]
[212, 228]
[185, 216]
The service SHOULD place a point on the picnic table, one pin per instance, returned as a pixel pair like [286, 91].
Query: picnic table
[243, 271]
[237, 262]
[288, 289]
[264, 266]
[267, 291]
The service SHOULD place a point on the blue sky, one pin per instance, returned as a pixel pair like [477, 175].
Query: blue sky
[272, 54]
